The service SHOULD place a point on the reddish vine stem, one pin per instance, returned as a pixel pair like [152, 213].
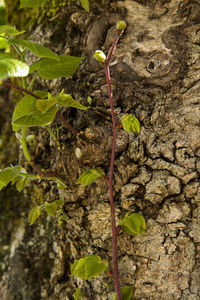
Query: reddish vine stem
[66, 124]
[16, 87]
[110, 179]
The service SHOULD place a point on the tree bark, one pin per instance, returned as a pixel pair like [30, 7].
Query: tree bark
[155, 76]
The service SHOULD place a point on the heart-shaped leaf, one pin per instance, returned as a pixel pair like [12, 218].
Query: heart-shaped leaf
[133, 224]
[130, 124]
[8, 174]
[88, 267]
[27, 114]
[90, 176]
[34, 213]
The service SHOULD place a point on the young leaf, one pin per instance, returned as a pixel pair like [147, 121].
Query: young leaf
[66, 100]
[8, 174]
[11, 67]
[78, 295]
[90, 176]
[88, 267]
[34, 213]
[21, 182]
[9, 30]
[133, 224]
[62, 67]
[130, 124]
[126, 293]
[43, 105]
[37, 49]
[31, 3]
[27, 114]
[85, 5]
[51, 208]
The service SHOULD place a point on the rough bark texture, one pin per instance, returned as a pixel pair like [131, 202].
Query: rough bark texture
[155, 76]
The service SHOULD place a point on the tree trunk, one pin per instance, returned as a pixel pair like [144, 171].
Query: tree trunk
[155, 76]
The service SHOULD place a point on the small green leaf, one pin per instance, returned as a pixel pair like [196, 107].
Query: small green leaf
[62, 67]
[130, 124]
[21, 183]
[133, 224]
[8, 174]
[85, 5]
[31, 3]
[11, 67]
[51, 208]
[43, 105]
[66, 100]
[126, 293]
[90, 176]
[34, 213]
[78, 295]
[9, 30]
[27, 114]
[88, 267]
[37, 49]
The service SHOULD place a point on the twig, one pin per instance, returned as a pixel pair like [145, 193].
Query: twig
[66, 124]
[110, 180]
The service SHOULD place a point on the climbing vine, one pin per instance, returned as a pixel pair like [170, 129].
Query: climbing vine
[38, 108]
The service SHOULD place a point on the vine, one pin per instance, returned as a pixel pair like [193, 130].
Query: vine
[39, 108]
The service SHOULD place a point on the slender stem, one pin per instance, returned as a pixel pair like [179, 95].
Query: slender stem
[118, 33]
[66, 124]
[32, 81]
[110, 179]
[53, 136]
[24, 145]
[16, 87]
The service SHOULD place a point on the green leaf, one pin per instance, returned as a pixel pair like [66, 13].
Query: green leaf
[43, 105]
[51, 208]
[126, 293]
[37, 49]
[78, 295]
[4, 44]
[21, 183]
[34, 213]
[9, 30]
[88, 267]
[8, 174]
[31, 3]
[130, 124]
[90, 176]
[27, 114]
[133, 224]
[62, 67]
[66, 100]
[85, 5]
[11, 67]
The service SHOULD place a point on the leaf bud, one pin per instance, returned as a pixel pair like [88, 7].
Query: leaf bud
[121, 25]
[99, 56]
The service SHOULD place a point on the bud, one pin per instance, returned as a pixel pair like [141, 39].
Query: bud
[121, 25]
[99, 56]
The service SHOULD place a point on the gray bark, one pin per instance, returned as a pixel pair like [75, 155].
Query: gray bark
[155, 76]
